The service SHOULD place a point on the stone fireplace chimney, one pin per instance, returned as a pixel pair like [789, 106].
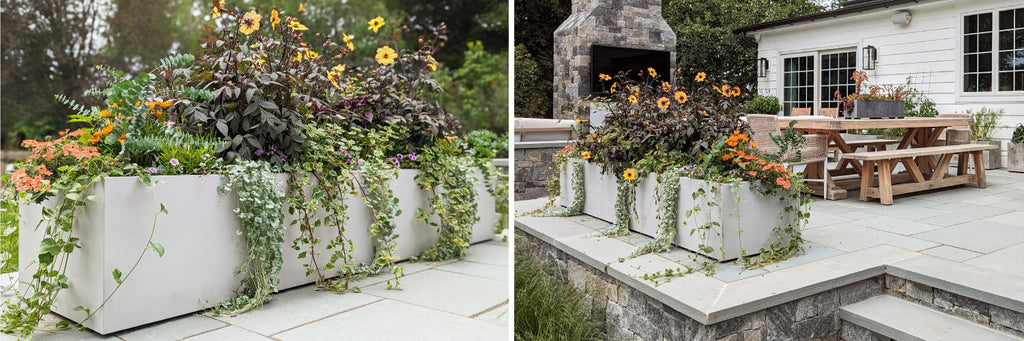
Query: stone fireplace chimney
[633, 30]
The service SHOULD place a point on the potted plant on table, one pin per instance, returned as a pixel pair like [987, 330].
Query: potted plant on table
[676, 163]
[875, 101]
[1015, 151]
[985, 123]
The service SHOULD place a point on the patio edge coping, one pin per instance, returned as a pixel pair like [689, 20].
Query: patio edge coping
[756, 293]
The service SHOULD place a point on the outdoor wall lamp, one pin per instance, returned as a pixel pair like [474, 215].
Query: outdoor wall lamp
[870, 55]
[762, 67]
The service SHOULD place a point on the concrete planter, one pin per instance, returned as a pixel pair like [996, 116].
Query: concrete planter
[1015, 157]
[994, 157]
[752, 231]
[202, 246]
[877, 109]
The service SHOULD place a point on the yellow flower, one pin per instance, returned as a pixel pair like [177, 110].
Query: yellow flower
[275, 19]
[105, 113]
[216, 13]
[332, 76]
[386, 55]
[735, 91]
[614, 86]
[348, 41]
[586, 155]
[604, 77]
[310, 54]
[700, 77]
[432, 63]
[217, 5]
[632, 99]
[339, 68]
[629, 174]
[302, 10]
[249, 23]
[663, 103]
[651, 71]
[295, 25]
[680, 97]
[376, 24]
[666, 86]
[298, 57]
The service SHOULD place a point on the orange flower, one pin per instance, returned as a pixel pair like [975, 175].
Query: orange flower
[604, 77]
[753, 144]
[735, 91]
[120, 139]
[753, 173]
[725, 157]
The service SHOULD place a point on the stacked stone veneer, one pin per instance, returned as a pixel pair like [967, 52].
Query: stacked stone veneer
[629, 314]
[534, 167]
[636, 24]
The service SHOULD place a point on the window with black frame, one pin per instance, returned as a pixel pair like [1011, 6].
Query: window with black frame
[798, 83]
[836, 72]
[1011, 50]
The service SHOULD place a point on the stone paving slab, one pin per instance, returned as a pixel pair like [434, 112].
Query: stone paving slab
[232, 333]
[295, 307]
[978, 236]
[394, 320]
[1009, 260]
[853, 237]
[951, 253]
[986, 285]
[173, 329]
[445, 291]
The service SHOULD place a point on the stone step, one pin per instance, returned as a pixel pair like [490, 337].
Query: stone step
[902, 320]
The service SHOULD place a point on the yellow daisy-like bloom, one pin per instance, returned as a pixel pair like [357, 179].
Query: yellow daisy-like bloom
[296, 26]
[376, 24]
[614, 86]
[386, 55]
[302, 10]
[629, 174]
[635, 91]
[216, 13]
[348, 41]
[339, 68]
[298, 57]
[310, 54]
[249, 23]
[651, 71]
[735, 91]
[332, 76]
[663, 103]
[700, 77]
[585, 155]
[275, 19]
[604, 77]
[666, 86]
[632, 99]
[432, 63]
[680, 97]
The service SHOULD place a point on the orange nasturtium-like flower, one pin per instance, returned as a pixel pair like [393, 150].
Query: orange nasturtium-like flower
[586, 155]
[629, 174]
[700, 77]
[376, 24]
[663, 103]
[680, 97]
[604, 77]
[275, 19]
[348, 41]
[386, 55]
[249, 23]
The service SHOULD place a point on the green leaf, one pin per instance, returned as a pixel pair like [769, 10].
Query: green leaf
[117, 275]
[156, 247]
[72, 196]
[163, 209]
[93, 198]
[63, 324]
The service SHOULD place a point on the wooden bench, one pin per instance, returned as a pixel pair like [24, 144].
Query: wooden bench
[869, 145]
[887, 160]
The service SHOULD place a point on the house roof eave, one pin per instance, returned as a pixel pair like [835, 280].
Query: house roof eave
[858, 7]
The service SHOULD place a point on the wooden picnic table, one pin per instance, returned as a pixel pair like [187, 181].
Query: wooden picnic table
[921, 132]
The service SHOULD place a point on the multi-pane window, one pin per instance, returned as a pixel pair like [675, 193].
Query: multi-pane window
[1011, 50]
[978, 52]
[798, 83]
[836, 70]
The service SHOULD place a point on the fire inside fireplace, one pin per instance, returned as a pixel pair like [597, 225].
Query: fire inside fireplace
[611, 60]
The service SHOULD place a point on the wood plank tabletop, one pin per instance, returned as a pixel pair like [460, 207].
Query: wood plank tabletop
[828, 123]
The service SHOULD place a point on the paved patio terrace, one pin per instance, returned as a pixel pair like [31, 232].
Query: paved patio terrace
[451, 300]
[965, 240]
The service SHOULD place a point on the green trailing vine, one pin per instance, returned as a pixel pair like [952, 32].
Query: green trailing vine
[624, 197]
[261, 222]
[497, 186]
[449, 179]
[664, 276]
[377, 194]
[669, 215]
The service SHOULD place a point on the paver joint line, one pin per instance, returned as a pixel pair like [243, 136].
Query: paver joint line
[326, 317]
[211, 330]
[489, 309]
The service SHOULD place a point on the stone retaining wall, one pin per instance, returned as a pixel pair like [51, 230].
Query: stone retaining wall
[632, 315]
[992, 316]
[533, 169]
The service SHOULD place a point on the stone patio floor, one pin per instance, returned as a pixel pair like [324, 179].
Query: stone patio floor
[452, 300]
[964, 235]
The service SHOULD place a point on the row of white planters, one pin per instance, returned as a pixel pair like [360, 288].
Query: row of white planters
[203, 247]
[752, 231]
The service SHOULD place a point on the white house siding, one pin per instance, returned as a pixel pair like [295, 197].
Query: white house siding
[928, 50]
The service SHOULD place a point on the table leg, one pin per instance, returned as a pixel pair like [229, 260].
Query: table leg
[884, 182]
[867, 177]
[979, 168]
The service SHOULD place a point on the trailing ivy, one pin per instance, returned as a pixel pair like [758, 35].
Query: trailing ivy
[377, 194]
[261, 222]
[449, 179]
[624, 197]
[669, 215]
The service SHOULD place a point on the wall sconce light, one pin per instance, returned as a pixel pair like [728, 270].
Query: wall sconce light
[870, 55]
[762, 67]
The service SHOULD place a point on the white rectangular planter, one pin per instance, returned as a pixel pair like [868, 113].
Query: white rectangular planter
[203, 249]
[754, 230]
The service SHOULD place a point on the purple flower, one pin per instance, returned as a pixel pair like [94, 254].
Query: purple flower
[400, 156]
[283, 159]
[360, 162]
[413, 157]
[259, 152]
[152, 170]
[174, 161]
[348, 155]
